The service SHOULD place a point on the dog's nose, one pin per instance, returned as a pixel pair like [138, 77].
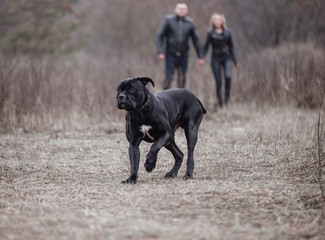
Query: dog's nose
[121, 97]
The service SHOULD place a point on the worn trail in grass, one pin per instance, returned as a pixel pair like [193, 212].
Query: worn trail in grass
[255, 177]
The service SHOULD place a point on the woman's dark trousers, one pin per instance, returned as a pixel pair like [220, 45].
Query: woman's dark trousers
[225, 64]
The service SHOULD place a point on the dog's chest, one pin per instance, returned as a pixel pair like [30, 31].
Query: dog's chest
[145, 129]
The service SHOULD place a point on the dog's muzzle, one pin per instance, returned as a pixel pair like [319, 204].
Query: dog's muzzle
[121, 101]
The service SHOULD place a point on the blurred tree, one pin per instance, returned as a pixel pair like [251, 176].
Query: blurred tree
[263, 23]
[39, 26]
[126, 26]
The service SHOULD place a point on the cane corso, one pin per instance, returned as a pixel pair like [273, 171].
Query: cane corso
[154, 118]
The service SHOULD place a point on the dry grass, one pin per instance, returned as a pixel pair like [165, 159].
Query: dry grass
[34, 91]
[255, 178]
[287, 73]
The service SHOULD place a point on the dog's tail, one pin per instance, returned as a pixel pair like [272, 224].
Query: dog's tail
[203, 109]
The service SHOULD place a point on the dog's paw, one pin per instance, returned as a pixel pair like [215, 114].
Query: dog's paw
[150, 163]
[149, 166]
[171, 174]
[187, 177]
[130, 180]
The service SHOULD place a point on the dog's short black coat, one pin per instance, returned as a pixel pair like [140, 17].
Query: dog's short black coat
[154, 118]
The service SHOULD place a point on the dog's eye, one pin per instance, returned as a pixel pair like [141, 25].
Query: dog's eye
[132, 89]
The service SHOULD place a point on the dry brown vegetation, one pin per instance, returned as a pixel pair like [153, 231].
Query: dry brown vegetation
[63, 153]
[255, 177]
[36, 91]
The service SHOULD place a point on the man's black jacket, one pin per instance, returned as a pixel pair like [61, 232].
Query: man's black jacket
[173, 35]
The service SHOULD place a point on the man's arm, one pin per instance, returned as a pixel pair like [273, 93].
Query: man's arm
[161, 34]
[196, 42]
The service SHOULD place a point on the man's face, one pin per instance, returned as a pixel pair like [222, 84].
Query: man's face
[181, 9]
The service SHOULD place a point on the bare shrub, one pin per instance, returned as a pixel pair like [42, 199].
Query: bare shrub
[320, 146]
[80, 87]
[49, 89]
[281, 74]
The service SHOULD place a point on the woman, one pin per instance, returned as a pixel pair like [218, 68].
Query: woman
[222, 53]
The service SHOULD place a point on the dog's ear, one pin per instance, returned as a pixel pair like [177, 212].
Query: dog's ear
[145, 80]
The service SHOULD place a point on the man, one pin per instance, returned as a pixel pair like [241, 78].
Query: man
[172, 44]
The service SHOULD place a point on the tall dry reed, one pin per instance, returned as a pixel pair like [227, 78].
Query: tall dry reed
[82, 87]
[284, 74]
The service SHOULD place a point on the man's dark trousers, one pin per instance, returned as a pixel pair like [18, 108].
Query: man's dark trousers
[176, 61]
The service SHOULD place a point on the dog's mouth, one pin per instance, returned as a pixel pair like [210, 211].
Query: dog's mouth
[124, 105]
[121, 105]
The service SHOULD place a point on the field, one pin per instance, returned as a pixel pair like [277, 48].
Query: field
[259, 164]
[255, 178]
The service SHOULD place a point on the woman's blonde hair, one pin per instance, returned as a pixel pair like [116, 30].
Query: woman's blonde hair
[223, 19]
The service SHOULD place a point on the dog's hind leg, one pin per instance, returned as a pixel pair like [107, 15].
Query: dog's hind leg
[191, 133]
[178, 155]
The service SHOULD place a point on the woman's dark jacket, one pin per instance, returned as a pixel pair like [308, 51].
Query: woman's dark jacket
[174, 33]
[222, 45]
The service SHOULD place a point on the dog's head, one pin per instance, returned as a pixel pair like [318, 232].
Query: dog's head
[132, 93]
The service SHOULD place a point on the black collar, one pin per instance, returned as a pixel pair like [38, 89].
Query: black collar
[146, 103]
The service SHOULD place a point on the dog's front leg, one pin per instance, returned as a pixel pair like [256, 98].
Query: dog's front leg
[151, 158]
[134, 155]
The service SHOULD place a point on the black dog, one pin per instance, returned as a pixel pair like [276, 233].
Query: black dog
[154, 118]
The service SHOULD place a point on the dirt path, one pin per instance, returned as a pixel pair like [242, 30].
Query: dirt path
[254, 179]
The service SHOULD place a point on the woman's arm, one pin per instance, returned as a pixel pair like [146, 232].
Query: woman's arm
[232, 50]
[207, 43]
